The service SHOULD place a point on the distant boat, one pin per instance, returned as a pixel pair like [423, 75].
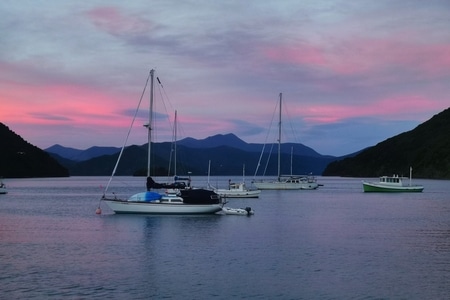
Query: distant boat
[392, 184]
[176, 201]
[3, 189]
[286, 182]
[238, 190]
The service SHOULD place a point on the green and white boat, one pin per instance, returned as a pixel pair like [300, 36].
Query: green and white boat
[392, 184]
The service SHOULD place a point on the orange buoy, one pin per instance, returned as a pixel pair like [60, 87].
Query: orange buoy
[98, 211]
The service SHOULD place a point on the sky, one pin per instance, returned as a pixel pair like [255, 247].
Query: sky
[352, 73]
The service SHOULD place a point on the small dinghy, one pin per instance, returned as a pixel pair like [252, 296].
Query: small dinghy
[238, 211]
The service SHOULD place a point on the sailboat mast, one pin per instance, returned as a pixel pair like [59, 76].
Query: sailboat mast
[292, 153]
[175, 145]
[279, 139]
[150, 119]
[410, 175]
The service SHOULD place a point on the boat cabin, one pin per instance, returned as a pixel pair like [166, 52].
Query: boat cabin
[299, 179]
[394, 179]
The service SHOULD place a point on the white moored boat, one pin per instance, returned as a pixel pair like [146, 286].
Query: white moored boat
[238, 190]
[183, 201]
[391, 184]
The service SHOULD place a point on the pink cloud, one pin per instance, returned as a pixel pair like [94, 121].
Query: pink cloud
[59, 104]
[113, 21]
[369, 55]
[395, 107]
[362, 55]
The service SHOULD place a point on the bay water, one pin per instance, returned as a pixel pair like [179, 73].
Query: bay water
[332, 243]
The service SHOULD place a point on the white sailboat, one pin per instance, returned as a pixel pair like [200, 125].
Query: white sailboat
[286, 182]
[183, 201]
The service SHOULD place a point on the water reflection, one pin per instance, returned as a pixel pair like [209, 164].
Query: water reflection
[332, 243]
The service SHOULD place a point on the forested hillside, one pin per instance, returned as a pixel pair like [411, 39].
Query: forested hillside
[18, 158]
[425, 148]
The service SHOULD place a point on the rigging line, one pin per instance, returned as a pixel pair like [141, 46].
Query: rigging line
[165, 96]
[179, 128]
[286, 111]
[126, 139]
[155, 129]
[164, 105]
[161, 87]
[172, 149]
[265, 143]
[268, 158]
[172, 128]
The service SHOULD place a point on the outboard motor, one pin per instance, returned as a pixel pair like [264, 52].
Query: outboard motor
[248, 210]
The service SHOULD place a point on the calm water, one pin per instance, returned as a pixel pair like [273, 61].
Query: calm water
[332, 243]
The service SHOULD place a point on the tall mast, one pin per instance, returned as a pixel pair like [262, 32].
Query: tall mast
[149, 125]
[279, 140]
[292, 153]
[410, 175]
[175, 145]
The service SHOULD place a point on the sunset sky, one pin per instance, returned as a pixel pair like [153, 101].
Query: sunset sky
[352, 73]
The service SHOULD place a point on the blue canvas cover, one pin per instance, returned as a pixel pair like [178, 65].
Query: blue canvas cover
[145, 197]
[152, 196]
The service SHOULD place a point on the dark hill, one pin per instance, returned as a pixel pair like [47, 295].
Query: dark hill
[20, 159]
[426, 148]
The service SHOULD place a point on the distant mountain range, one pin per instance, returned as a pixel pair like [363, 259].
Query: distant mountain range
[426, 149]
[228, 155]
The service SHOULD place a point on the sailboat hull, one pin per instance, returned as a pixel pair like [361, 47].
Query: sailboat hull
[131, 207]
[238, 194]
[279, 185]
